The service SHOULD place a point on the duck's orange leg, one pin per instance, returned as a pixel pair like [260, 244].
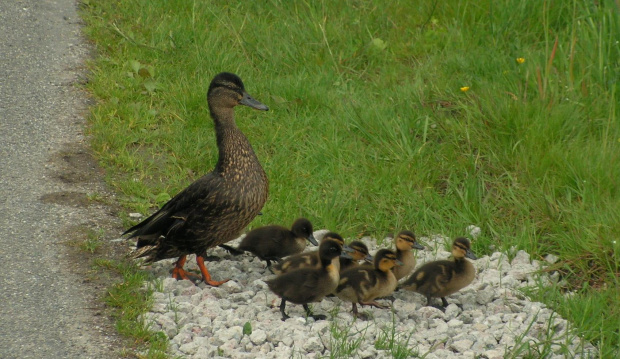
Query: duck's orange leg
[179, 273]
[205, 273]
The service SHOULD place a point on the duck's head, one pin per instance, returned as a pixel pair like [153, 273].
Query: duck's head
[385, 260]
[406, 241]
[227, 90]
[360, 251]
[461, 248]
[303, 229]
[334, 237]
[330, 249]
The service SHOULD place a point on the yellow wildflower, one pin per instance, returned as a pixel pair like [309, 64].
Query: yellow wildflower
[520, 60]
[465, 88]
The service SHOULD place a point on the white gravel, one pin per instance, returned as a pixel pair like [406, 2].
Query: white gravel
[492, 318]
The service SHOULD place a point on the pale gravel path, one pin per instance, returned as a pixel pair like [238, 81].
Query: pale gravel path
[206, 322]
[46, 310]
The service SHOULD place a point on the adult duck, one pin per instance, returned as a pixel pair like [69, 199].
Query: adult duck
[218, 206]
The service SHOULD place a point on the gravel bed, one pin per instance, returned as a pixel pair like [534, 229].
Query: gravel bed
[491, 318]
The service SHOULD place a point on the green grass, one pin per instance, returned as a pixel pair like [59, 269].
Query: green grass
[396, 343]
[369, 131]
[129, 300]
[93, 241]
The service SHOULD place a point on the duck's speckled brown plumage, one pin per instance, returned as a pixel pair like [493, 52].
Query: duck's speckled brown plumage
[444, 277]
[218, 206]
[363, 284]
[275, 242]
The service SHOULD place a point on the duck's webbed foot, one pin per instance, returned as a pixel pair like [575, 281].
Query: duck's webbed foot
[315, 316]
[179, 273]
[206, 277]
[362, 316]
[444, 302]
[282, 307]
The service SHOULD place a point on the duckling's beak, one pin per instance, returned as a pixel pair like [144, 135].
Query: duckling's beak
[469, 254]
[312, 240]
[399, 263]
[369, 258]
[251, 102]
[346, 250]
[417, 245]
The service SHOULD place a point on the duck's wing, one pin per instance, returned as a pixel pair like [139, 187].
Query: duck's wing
[360, 278]
[173, 214]
[445, 272]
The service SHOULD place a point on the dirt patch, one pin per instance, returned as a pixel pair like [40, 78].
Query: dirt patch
[67, 198]
[90, 241]
[75, 164]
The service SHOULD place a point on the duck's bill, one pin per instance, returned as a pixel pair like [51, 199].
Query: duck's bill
[250, 101]
[346, 252]
[312, 240]
[417, 245]
[369, 258]
[469, 254]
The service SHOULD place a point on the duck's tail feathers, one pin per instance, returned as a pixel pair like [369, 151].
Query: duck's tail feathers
[148, 251]
[232, 250]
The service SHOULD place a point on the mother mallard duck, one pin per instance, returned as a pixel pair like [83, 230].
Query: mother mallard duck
[218, 206]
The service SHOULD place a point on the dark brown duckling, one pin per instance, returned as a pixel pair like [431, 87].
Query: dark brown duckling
[307, 285]
[363, 284]
[307, 259]
[272, 243]
[444, 277]
[218, 206]
[360, 252]
[405, 243]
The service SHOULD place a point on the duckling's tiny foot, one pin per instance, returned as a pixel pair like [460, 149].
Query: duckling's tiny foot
[319, 316]
[362, 316]
[443, 309]
[375, 304]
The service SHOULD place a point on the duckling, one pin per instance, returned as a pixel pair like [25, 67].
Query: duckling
[306, 285]
[444, 277]
[272, 243]
[218, 206]
[360, 252]
[307, 259]
[363, 284]
[405, 243]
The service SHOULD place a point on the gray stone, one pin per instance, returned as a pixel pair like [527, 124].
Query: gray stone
[313, 345]
[258, 337]
[189, 348]
[462, 345]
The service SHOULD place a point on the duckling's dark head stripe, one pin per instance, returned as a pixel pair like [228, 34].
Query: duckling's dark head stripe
[461, 247]
[407, 235]
[462, 243]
